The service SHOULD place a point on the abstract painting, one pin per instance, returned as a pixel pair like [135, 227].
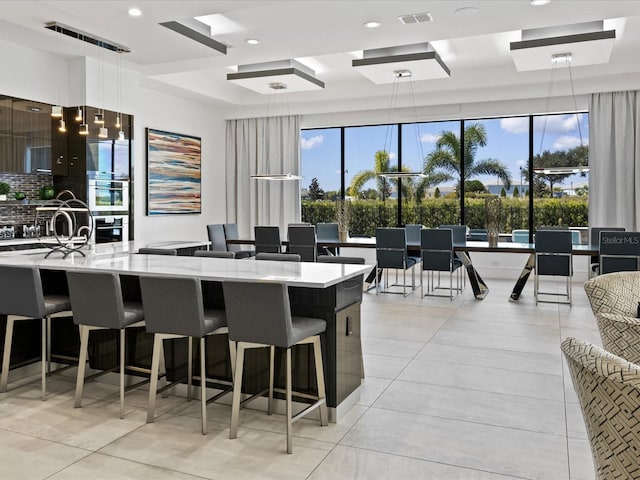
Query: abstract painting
[173, 173]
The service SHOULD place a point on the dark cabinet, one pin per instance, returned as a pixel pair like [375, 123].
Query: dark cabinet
[25, 131]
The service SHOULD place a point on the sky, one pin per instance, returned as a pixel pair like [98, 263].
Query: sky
[507, 141]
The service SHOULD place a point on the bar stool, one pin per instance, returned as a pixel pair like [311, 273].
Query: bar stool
[259, 315]
[22, 298]
[158, 251]
[174, 308]
[279, 257]
[214, 254]
[97, 303]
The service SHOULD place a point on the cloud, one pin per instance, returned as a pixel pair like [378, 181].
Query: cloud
[558, 123]
[429, 138]
[393, 156]
[566, 142]
[309, 143]
[515, 124]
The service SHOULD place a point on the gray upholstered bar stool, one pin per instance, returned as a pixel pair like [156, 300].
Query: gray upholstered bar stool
[97, 303]
[174, 308]
[22, 298]
[158, 251]
[214, 254]
[259, 315]
[339, 259]
[279, 257]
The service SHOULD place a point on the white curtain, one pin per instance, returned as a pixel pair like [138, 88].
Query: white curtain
[261, 146]
[614, 160]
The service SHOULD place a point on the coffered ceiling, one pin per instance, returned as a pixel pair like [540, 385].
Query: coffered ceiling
[472, 38]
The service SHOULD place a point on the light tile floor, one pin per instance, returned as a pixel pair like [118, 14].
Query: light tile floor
[469, 389]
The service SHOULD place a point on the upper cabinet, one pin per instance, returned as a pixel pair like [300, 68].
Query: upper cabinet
[31, 142]
[25, 136]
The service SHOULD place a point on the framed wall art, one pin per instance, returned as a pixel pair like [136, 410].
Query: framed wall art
[173, 173]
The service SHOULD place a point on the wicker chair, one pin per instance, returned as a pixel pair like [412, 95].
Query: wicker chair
[614, 300]
[608, 388]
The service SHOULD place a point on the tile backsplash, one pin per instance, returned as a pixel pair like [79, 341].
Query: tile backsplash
[30, 184]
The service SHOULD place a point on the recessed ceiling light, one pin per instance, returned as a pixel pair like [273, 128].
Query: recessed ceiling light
[252, 41]
[372, 24]
[466, 11]
[537, 3]
[135, 12]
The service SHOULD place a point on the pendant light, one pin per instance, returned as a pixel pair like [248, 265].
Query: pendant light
[79, 115]
[275, 87]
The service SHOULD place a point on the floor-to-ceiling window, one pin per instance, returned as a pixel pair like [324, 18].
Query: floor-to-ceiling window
[560, 170]
[462, 163]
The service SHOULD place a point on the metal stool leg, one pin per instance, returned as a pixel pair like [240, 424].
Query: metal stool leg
[122, 367]
[153, 385]
[288, 401]
[237, 391]
[203, 386]
[82, 363]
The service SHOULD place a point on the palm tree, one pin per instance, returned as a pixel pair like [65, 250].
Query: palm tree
[381, 164]
[445, 159]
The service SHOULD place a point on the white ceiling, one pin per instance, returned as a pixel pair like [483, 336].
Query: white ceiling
[326, 36]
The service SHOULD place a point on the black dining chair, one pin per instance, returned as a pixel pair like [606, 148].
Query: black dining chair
[327, 232]
[436, 249]
[391, 252]
[267, 239]
[619, 251]
[553, 256]
[302, 241]
[594, 242]
[231, 233]
[479, 235]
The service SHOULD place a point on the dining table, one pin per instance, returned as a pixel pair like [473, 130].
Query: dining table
[463, 250]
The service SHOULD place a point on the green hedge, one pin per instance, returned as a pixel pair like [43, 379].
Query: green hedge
[365, 215]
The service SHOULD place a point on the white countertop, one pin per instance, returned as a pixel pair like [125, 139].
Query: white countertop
[120, 257]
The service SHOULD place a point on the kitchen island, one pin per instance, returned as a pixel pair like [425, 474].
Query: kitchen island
[329, 291]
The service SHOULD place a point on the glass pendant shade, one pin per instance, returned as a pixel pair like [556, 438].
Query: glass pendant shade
[79, 115]
[103, 132]
[98, 119]
[56, 111]
[84, 129]
[63, 126]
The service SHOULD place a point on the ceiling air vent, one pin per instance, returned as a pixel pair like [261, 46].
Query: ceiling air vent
[86, 37]
[416, 18]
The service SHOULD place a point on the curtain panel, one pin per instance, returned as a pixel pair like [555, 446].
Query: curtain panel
[261, 146]
[614, 160]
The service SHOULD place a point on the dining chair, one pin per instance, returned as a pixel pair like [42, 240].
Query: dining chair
[267, 321]
[608, 389]
[391, 252]
[437, 255]
[174, 308]
[217, 237]
[619, 251]
[479, 235]
[553, 256]
[267, 239]
[413, 234]
[459, 233]
[231, 233]
[520, 236]
[22, 298]
[302, 241]
[327, 232]
[594, 242]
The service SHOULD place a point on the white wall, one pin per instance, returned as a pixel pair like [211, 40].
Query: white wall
[31, 75]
